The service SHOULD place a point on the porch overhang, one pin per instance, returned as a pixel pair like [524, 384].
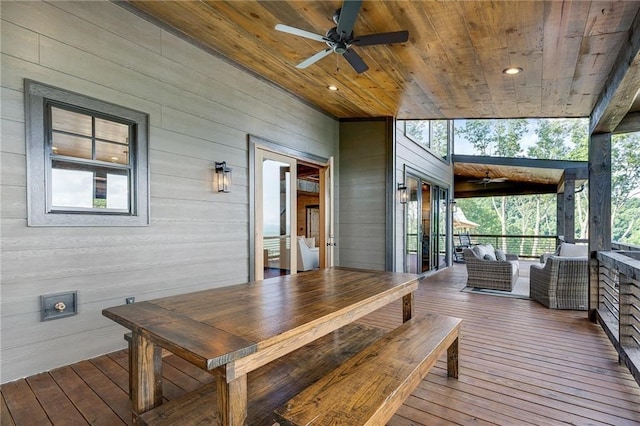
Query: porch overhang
[523, 176]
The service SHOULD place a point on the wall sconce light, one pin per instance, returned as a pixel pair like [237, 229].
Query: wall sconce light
[453, 205]
[223, 177]
[404, 194]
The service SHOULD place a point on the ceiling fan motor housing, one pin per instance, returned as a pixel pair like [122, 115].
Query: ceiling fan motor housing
[336, 43]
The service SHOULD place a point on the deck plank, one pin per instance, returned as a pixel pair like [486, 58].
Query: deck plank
[23, 404]
[57, 405]
[520, 363]
[5, 415]
[105, 388]
[94, 410]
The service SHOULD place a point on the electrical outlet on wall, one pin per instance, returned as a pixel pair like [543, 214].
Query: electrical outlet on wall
[130, 300]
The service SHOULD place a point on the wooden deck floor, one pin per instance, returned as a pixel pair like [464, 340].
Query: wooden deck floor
[520, 363]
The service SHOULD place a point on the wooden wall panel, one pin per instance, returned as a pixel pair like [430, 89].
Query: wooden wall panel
[201, 110]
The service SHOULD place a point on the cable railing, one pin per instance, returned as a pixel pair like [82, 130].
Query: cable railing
[618, 304]
[525, 246]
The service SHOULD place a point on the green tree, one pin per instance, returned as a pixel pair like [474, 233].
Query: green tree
[479, 134]
[508, 134]
[625, 186]
[552, 140]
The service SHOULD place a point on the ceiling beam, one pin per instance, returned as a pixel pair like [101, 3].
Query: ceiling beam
[519, 162]
[630, 123]
[467, 190]
[621, 87]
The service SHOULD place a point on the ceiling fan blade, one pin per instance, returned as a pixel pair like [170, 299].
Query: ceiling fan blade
[382, 38]
[348, 14]
[315, 58]
[355, 61]
[497, 180]
[299, 32]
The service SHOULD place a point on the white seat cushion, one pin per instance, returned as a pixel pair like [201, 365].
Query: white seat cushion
[573, 250]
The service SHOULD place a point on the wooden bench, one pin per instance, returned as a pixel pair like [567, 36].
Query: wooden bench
[369, 387]
[272, 385]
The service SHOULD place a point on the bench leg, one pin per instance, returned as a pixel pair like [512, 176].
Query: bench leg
[407, 307]
[452, 359]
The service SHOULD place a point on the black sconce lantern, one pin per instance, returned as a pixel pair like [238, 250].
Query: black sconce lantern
[404, 194]
[223, 177]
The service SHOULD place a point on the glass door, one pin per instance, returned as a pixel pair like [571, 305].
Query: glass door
[275, 215]
[413, 247]
[427, 241]
[441, 253]
[426, 226]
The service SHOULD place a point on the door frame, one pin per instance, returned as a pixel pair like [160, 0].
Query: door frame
[326, 202]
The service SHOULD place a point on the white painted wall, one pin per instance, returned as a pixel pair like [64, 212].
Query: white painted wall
[201, 110]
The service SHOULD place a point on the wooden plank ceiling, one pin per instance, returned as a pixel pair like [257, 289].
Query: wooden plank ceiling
[451, 67]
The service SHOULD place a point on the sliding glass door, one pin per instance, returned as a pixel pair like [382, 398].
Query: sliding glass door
[426, 226]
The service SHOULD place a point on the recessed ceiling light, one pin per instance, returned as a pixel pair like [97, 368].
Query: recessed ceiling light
[332, 88]
[512, 70]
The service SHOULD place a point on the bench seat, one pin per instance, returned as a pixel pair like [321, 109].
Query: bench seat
[369, 387]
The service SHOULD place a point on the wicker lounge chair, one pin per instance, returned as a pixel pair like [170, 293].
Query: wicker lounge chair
[561, 283]
[491, 274]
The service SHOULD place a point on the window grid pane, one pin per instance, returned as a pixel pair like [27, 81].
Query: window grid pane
[78, 185]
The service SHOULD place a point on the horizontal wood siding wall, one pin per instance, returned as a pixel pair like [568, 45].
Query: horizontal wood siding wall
[201, 110]
[410, 154]
[362, 207]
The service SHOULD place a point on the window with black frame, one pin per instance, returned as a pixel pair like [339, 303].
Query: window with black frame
[87, 160]
[90, 162]
[433, 135]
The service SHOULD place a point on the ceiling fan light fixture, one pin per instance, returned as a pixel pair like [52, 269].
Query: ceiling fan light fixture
[512, 70]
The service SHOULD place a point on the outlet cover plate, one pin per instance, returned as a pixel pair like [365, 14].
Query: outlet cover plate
[48, 302]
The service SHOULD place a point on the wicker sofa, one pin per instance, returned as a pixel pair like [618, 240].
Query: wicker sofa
[561, 283]
[490, 274]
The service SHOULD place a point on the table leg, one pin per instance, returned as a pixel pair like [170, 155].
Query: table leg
[146, 375]
[232, 401]
[407, 307]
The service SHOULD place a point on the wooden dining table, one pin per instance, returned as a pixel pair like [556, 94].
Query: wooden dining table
[239, 328]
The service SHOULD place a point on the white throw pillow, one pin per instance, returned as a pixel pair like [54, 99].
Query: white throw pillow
[573, 250]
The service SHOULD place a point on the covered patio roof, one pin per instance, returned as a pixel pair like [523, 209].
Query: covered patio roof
[521, 176]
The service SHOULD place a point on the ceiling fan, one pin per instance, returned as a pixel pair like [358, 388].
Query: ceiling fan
[340, 38]
[485, 180]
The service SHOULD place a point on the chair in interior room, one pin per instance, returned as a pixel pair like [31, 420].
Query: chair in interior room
[491, 269]
[562, 282]
[308, 254]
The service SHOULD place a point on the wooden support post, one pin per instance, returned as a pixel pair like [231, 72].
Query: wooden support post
[599, 209]
[407, 307]
[559, 218]
[146, 377]
[569, 206]
[232, 401]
